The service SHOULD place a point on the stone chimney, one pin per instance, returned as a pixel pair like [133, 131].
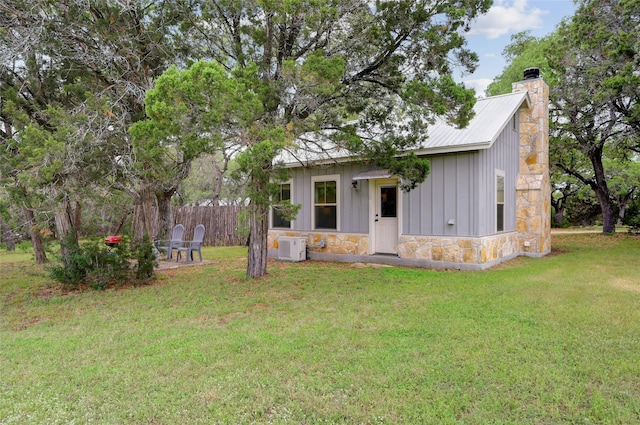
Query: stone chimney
[533, 191]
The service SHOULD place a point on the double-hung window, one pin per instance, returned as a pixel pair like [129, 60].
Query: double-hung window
[277, 219]
[499, 201]
[326, 193]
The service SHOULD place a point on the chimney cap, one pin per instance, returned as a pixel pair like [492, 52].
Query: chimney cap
[531, 73]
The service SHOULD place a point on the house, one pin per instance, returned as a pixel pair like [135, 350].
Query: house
[486, 200]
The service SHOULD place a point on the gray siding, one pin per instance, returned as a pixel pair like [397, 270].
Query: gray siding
[449, 193]
[504, 155]
[353, 203]
[460, 187]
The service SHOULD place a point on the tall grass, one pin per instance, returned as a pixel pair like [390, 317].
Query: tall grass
[534, 341]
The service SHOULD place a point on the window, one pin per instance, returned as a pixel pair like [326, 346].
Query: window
[500, 201]
[325, 202]
[277, 220]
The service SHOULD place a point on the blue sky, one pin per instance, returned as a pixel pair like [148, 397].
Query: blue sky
[492, 32]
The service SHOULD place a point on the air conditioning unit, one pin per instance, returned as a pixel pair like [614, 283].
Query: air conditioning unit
[292, 248]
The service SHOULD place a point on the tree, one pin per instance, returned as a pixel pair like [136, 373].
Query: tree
[63, 60]
[623, 177]
[368, 75]
[591, 72]
[608, 29]
[192, 112]
[563, 189]
[524, 51]
[214, 180]
[587, 118]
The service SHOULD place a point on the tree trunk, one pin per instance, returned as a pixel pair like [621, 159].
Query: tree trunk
[259, 228]
[165, 215]
[608, 214]
[602, 193]
[7, 236]
[559, 216]
[68, 223]
[144, 214]
[558, 208]
[623, 203]
[36, 239]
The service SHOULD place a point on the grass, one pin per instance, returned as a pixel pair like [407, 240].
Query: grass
[534, 341]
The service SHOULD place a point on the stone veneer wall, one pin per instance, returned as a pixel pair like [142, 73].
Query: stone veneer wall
[430, 251]
[484, 251]
[533, 190]
[335, 243]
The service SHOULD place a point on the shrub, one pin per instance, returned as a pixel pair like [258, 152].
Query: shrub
[146, 259]
[24, 246]
[74, 265]
[634, 225]
[99, 267]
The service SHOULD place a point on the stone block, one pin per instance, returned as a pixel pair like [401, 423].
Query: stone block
[471, 255]
[465, 243]
[437, 253]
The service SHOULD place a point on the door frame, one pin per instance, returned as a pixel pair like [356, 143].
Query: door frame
[373, 195]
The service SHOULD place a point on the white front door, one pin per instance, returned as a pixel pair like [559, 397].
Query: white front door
[386, 217]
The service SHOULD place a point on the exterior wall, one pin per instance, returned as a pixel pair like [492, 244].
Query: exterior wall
[503, 156]
[335, 243]
[450, 192]
[422, 251]
[353, 203]
[461, 187]
[484, 252]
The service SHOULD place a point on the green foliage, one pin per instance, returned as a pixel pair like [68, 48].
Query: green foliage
[75, 264]
[634, 225]
[23, 246]
[525, 51]
[192, 112]
[411, 169]
[92, 264]
[255, 68]
[146, 260]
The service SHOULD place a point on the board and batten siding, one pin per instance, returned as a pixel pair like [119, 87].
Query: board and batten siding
[461, 188]
[504, 155]
[352, 203]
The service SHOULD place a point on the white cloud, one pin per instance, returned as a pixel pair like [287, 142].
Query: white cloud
[479, 85]
[507, 16]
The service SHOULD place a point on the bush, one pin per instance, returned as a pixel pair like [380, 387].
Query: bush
[634, 225]
[24, 246]
[99, 267]
[146, 259]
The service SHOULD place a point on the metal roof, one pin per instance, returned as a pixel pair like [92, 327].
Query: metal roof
[492, 115]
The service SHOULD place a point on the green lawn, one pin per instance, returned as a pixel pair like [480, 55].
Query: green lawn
[534, 341]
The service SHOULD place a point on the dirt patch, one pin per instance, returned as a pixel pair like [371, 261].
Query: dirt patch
[626, 284]
[172, 265]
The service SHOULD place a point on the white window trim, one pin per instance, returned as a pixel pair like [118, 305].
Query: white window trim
[500, 173]
[290, 183]
[330, 177]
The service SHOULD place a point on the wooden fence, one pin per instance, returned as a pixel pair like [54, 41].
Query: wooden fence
[224, 225]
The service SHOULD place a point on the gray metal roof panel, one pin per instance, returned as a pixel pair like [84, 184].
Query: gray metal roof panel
[492, 115]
